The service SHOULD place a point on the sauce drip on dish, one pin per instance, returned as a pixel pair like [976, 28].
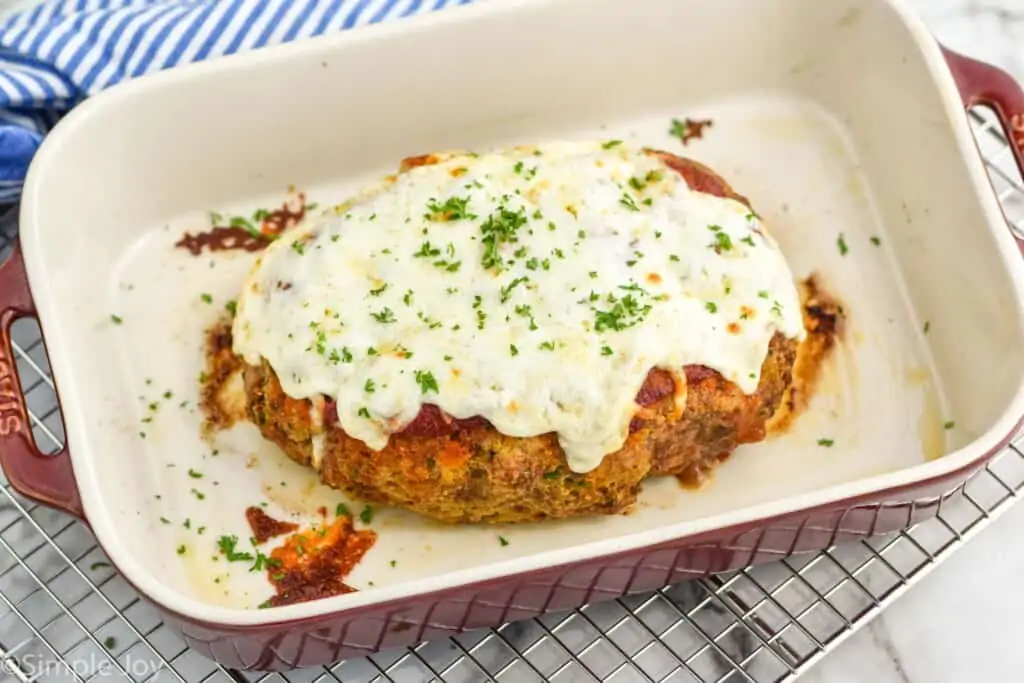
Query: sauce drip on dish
[313, 564]
[246, 234]
[264, 527]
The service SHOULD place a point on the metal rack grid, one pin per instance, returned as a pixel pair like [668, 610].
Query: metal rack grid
[65, 614]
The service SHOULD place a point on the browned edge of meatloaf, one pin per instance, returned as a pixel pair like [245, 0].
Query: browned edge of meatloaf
[473, 473]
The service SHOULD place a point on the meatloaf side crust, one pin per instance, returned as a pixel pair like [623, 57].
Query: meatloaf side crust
[465, 471]
[472, 473]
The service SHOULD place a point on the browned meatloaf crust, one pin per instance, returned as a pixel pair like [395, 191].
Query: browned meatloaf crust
[466, 471]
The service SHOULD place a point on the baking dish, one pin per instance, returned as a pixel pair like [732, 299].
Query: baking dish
[841, 121]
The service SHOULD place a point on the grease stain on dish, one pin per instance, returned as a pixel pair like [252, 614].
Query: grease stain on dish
[826, 322]
[931, 425]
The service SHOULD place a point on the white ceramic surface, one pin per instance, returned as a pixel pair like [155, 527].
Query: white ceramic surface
[821, 147]
[959, 624]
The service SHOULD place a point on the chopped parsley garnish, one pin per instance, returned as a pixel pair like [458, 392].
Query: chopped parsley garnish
[448, 266]
[241, 222]
[481, 317]
[875, 240]
[363, 412]
[711, 306]
[299, 247]
[181, 549]
[231, 307]
[748, 240]
[673, 257]
[606, 350]
[506, 292]
[116, 319]
[453, 209]
[499, 228]
[342, 511]
[949, 425]
[524, 311]
[841, 243]
[503, 541]
[227, 547]
[344, 356]
[429, 322]
[427, 251]
[263, 562]
[369, 387]
[384, 316]
[426, 381]
[207, 299]
[379, 290]
[722, 240]
[198, 494]
[927, 326]
[195, 475]
[628, 202]
[624, 313]
[547, 346]
[611, 143]
[407, 298]
[366, 516]
[827, 443]
[513, 350]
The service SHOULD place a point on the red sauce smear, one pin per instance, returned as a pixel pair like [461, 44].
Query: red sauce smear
[238, 238]
[313, 564]
[264, 527]
[222, 239]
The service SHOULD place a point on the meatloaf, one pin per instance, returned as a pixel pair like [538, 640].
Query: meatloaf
[681, 362]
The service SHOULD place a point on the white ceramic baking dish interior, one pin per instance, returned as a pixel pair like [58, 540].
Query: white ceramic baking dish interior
[837, 119]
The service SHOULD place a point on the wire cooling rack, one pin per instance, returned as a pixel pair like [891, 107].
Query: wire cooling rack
[66, 615]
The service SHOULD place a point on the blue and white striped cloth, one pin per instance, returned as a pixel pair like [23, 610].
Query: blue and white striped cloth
[59, 52]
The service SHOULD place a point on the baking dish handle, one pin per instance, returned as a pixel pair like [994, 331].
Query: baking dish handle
[47, 479]
[983, 84]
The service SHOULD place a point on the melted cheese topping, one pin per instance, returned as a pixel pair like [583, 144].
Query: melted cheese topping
[535, 287]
